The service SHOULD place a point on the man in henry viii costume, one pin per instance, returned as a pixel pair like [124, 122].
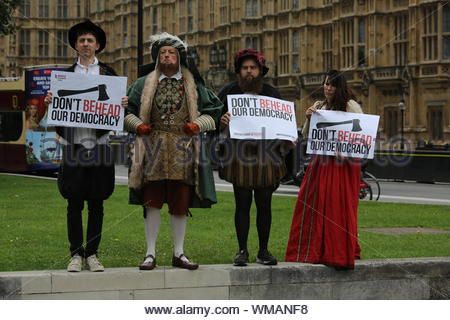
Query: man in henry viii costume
[168, 110]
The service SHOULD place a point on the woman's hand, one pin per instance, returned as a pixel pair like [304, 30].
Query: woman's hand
[225, 120]
[340, 157]
[48, 98]
[310, 111]
[290, 144]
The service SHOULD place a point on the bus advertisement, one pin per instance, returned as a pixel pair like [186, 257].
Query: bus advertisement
[26, 142]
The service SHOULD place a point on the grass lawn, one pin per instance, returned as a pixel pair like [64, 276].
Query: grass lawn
[34, 236]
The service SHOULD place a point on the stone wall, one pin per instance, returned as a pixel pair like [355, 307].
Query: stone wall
[424, 278]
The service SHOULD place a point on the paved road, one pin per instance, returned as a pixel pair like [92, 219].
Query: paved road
[415, 192]
[411, 192]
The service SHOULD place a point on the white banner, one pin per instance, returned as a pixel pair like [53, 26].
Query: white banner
[86, 101]
[260, 117]
[337, 132]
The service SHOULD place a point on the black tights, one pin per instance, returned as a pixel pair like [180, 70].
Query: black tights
[243, 198]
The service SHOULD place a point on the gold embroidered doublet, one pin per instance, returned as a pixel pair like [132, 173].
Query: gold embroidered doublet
[169, 154]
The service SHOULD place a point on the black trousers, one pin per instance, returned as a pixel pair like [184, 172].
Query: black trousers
[263, 199]
[75, 226]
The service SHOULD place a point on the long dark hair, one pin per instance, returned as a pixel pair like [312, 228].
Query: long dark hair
[342, 94]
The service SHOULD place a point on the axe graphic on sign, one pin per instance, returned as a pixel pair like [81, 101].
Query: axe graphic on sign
[354, 122]
[101, 88]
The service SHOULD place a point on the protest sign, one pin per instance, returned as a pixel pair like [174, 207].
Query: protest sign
[86, 101]
[260, 117]
[349, 134]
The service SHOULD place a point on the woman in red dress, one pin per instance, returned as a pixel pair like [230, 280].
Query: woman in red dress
[324, 225]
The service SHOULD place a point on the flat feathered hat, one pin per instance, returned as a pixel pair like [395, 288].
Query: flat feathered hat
[166, 39]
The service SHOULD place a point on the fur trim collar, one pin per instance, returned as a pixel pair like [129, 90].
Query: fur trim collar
[149, 90]
[148, 93]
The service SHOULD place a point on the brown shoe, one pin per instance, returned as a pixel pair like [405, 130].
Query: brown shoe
[148, 265]
[180, 263]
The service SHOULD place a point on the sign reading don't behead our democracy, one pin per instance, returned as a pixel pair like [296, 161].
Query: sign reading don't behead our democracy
[260, 117]
[87, 101]
[336, 132]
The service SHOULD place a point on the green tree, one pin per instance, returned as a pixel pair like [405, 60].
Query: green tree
[7, 7]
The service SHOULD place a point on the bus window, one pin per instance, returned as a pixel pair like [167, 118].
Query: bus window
[10, 125]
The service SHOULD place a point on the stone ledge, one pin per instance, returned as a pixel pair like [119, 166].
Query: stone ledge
[422, 278]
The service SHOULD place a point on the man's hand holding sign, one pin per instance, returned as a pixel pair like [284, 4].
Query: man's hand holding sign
[97, 104]
[342, 134]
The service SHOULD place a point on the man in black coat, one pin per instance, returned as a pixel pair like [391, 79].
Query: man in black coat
[254, 167]
[87, 169]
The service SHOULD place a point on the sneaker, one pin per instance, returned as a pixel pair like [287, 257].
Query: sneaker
[75, 263]
[93, 264]
[241, 258]
[266, 258]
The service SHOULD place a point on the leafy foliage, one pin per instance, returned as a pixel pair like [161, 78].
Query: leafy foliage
[7, 7]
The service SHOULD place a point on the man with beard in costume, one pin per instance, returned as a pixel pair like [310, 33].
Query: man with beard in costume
[254, 167]
[168, 110]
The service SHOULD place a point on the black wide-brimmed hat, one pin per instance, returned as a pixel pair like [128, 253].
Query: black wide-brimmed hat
[89, 27]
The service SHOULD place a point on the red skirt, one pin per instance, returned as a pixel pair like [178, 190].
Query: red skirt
[324, 225]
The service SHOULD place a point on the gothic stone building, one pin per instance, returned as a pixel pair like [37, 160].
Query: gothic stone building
[395, 53]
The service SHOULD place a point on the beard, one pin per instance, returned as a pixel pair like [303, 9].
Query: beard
[168, 68]
[253, 85]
